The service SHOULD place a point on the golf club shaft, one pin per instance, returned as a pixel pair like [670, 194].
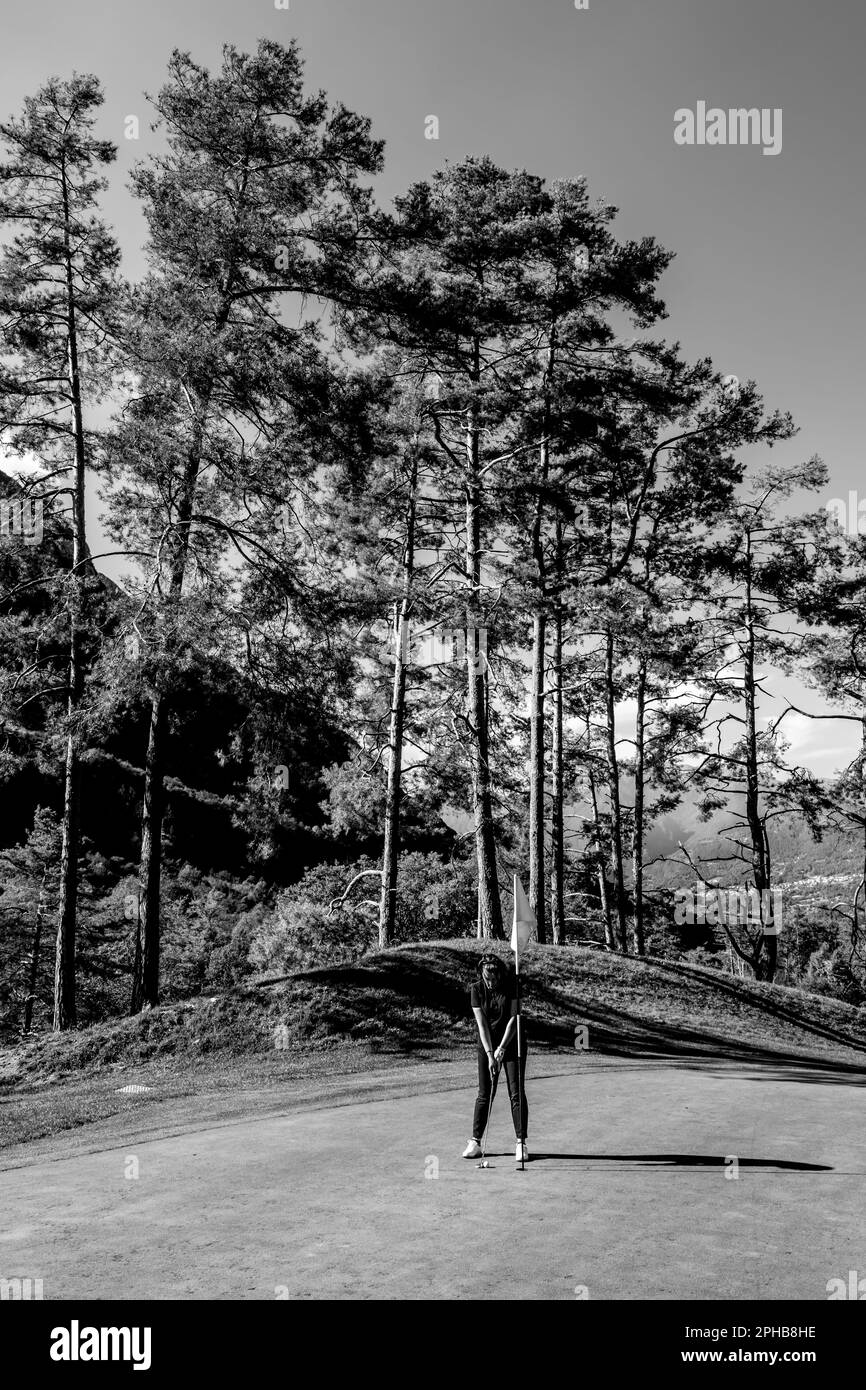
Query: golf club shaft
[494, 1084]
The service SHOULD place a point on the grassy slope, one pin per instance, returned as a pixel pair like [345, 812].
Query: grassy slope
[411, 1003]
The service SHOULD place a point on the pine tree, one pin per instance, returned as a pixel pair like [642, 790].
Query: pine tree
[768, 561]
[58, 295]
[251, 213]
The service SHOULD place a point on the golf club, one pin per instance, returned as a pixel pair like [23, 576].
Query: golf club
[485, 1162]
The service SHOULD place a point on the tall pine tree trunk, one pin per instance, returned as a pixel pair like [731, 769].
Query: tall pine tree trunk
[65, 1013]
[861, 887]
[64, 964]
[537, 878]
[482, 792]
[637, 928]
[557, 810]
[765, 959]
[391, 846]
[613, 794]
[536, 774]
[145, 983]
[390, 849]
[34, 959]
[609, 938]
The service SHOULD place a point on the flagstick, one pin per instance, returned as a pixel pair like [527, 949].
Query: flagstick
[515, 946]
[519, 1068]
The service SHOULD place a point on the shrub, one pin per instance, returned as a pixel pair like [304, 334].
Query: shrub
[434, 900]
[829, 972]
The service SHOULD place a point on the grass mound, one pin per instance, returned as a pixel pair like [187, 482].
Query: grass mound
[304, 1035]
[416, 997]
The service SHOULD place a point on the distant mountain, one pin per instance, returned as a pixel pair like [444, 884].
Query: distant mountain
[826, 870]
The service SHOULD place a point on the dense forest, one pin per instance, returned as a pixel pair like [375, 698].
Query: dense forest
[432, 561]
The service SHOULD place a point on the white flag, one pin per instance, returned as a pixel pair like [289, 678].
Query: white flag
[524, 920]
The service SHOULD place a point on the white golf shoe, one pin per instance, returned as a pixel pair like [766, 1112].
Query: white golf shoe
[473, 1149]
[521, 1153]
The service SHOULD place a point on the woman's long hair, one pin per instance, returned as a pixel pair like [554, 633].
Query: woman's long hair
[501, 975]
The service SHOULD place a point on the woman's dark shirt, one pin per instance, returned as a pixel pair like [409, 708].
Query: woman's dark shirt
[498, 1006]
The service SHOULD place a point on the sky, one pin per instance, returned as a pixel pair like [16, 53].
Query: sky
[769, 275]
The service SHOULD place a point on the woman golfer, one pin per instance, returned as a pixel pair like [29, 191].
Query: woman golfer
[494, 1004]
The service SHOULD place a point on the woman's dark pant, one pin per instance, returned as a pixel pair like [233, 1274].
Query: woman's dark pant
[482, 1100]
